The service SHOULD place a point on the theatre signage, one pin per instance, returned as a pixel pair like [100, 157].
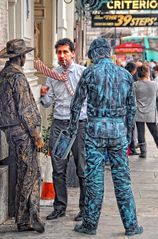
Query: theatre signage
[129, 5]
[124, 20]
[129, 47]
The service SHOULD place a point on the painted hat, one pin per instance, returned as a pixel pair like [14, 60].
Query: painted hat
[99, 47]
[15, 47]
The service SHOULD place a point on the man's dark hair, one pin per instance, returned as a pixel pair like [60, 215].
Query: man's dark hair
[142, 70]
[131, 66]
[155, 68]
[65, 41]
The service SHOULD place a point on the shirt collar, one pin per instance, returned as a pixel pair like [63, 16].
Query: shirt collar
[71, 68]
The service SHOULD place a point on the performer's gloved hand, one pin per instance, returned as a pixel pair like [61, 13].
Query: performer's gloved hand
[72, 129]
[39, 143]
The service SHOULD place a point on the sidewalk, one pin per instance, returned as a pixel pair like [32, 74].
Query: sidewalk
[144, 173]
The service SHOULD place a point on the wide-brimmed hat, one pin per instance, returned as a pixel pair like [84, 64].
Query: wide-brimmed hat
[15, 47]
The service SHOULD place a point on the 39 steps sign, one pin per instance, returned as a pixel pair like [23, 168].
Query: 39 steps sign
[124, 20]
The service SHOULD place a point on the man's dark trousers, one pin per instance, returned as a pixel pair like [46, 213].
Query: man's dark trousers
[60, 165]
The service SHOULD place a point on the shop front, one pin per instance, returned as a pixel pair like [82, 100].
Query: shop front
[127, 52]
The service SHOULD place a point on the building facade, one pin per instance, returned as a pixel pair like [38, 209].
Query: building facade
[40, 23]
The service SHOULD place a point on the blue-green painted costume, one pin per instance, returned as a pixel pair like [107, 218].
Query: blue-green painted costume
[111, 110]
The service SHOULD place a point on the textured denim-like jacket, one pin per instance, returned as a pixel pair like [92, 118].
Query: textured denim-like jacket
[111, 105]
[17, 104]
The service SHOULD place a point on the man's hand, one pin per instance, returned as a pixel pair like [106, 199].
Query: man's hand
[39, 143]
[37, 64]
[44, 90]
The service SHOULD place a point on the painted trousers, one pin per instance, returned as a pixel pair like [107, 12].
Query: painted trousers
[96, 153]
[28, 175]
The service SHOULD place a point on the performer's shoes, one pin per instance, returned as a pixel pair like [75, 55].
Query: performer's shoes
[37, 224]
[55, 214]
[137, 230]
[82, 229]
[24, 228]
[79, 216]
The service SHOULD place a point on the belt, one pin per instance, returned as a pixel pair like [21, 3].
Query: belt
[83, 120]
[67, 120]
[106, 119]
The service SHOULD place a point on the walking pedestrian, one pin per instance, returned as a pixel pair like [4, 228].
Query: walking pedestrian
[155, 69]
[110, 113]
[60, 93]
[146, 91]
[20, 120]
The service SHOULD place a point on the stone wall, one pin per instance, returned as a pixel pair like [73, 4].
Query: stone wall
[3, 23]
[3, 39]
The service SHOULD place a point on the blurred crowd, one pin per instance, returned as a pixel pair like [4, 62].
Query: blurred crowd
[145, 76]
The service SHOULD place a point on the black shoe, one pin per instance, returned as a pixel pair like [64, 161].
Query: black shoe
[79, 216]
[133, 152]
[24, 228]
[137, 230]
[142, 155]
[37, 224]
[82, 229]
[55, 214]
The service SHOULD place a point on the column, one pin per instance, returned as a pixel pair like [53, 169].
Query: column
[12, 18]
[61, 20]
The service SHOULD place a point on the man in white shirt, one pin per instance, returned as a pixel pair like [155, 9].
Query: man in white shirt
[60, 94]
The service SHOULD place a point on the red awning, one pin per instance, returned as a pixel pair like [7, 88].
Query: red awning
[128, 47]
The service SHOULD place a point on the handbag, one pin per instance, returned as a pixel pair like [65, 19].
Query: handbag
[63, 144]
